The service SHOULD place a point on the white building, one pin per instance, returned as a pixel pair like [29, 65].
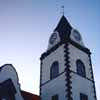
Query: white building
[66, 69]
[9, 83]
[10, 86]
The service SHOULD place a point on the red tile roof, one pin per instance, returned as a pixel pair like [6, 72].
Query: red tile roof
[30, 96]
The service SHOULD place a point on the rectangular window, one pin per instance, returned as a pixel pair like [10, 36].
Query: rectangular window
[83, 97]
[55, 97]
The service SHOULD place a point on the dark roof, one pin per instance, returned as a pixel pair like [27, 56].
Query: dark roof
[29, 96]
[64, 28]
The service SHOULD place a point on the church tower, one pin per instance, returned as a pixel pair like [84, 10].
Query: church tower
[66, 69]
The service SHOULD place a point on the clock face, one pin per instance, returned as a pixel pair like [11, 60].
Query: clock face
[77, 35]
[53, 38]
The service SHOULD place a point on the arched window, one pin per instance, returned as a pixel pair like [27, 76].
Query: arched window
[80, 68]
[54, 71]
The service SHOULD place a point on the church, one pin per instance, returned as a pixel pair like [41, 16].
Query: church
[65, 70]
[66, 67]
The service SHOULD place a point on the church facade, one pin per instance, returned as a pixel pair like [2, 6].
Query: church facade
[66, 68]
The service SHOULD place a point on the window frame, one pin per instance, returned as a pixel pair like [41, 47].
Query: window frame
[83, 96]
[55, 97]
[54, 70]
[80, 67]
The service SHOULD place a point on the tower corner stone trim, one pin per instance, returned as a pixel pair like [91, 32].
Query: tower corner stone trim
[67, 73]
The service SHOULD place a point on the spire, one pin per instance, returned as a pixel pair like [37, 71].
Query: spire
[64, 28]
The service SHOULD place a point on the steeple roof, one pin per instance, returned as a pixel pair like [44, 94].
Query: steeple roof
[64, 28]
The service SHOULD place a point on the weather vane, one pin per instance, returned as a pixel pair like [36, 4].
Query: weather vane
[62, 9]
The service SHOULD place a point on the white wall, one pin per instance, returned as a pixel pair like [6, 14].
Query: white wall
[76, 54]
[56, 86]
[81, 85]
[8, 72]
[57, 55]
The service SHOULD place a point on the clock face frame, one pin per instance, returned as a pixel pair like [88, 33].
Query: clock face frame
[77, 35]
[53, 38]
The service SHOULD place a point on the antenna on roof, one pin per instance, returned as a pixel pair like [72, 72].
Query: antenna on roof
[62, 10]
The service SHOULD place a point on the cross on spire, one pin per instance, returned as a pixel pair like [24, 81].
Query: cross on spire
[62, 9]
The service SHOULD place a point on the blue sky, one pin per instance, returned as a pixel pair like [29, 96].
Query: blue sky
[26, 25]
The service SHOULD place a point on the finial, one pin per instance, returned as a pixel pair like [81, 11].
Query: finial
[62, 9]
